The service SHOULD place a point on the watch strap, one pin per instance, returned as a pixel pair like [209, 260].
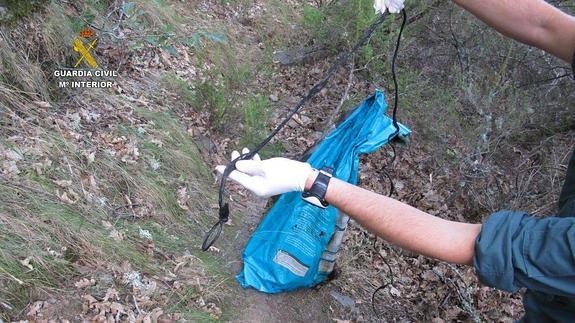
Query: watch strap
[316, 194]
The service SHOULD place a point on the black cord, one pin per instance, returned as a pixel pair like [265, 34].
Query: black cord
[224, 211]
[382, 286]
[214, 233]
[394, 76]
[391, 137]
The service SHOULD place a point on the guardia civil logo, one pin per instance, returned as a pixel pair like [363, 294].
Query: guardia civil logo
[84, 48]
[85, 72]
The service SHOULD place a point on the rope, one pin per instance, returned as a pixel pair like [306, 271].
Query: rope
[224, 211]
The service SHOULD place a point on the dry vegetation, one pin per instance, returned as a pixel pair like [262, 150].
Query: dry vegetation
[105, 193]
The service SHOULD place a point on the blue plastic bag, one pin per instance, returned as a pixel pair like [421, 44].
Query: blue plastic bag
[291, 247]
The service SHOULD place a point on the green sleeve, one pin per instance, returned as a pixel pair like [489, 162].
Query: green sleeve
[517, 250]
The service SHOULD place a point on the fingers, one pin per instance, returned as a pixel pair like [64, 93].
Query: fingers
[236, 154]
[250, 167]
[245, 168]
[243, 179]
[394, 6]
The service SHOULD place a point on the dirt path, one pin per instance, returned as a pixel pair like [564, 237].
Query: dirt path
[249, 305]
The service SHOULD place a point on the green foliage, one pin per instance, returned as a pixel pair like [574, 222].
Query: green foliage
[213, 97]
[237, 76]
[180, 87]
[196, 38]
[18, 9]
[255, 115]
[312, 17]
[179, 154]
[227, 76]
[341, 24]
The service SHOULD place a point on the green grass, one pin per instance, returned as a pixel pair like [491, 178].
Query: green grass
[256, 111]
[20, 9]
[312, 18]
[179, 152]
[229, 78]
[36, 223]
[181, 88]
[32, 220]
[212, 97]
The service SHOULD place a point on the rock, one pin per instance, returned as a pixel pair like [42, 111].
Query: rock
[292, 123]
[274, 98]
[344, 300]
[305, 119]
[206, 144]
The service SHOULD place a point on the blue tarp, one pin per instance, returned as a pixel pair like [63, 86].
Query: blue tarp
[286, 250]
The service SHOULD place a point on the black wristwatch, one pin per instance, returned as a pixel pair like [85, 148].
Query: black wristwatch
[316, 194]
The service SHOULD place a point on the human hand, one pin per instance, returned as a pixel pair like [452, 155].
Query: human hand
[394, 6]
[271, 176]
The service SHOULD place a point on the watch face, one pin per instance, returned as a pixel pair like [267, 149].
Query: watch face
[322, 186]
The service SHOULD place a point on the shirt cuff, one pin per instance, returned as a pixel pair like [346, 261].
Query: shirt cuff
[496, 249]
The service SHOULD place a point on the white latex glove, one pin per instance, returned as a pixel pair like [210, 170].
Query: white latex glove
[394, 6]
[269, 177]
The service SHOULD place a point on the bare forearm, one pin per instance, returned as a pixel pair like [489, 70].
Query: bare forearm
[533, 22]
[404, 225]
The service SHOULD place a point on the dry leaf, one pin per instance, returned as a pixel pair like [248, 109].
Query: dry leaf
[89, 298]
[26, 263]
[117, 308]
[9, 167]
[150, 248]
[42, 104]
[63, 183]
[72, 198]
[34, 310]
[111, 294]
[12, 155]
[183, 197]
[90, 157]
[157, 142]
[395, 292]
[116, 235]
[85, 282]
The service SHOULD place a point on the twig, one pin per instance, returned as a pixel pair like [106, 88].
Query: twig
[136, 304]
[545, 80]
[368, 62]
[344, 97]
[8, 307]
[465, 300]
[130, 206]
[456, 44]
[12, 276]
[72, 175]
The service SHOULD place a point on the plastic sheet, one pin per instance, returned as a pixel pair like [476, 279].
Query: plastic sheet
[296, 243]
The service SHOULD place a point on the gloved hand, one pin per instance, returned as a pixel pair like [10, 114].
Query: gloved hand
[394, 6]
[271, 176]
